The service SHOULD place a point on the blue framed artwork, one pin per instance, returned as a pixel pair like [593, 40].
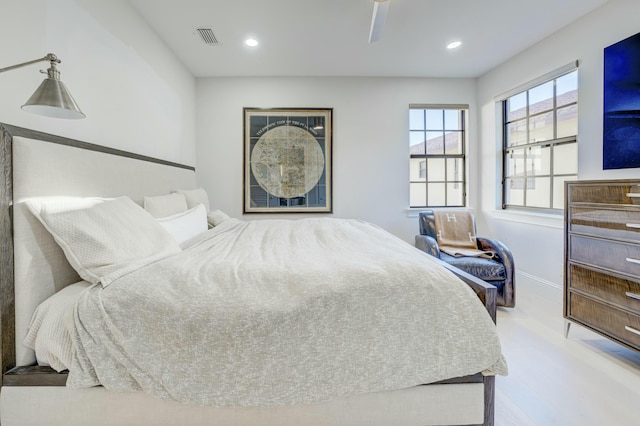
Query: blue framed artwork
[621, 127]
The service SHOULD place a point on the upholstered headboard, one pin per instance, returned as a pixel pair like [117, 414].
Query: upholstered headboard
[36, 164]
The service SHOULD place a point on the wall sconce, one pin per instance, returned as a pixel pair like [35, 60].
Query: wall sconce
[51, 98]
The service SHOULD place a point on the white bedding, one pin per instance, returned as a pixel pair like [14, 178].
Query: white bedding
[279, 312]
[49, 333]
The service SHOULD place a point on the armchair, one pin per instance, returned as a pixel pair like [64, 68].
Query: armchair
[498, 271]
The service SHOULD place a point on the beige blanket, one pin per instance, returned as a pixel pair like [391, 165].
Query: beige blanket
[457, 234]
[278, 312]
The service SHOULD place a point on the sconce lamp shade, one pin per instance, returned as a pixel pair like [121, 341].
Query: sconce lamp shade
[52, 99]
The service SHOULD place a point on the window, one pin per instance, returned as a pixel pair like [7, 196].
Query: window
[540, 150]
[437, 151]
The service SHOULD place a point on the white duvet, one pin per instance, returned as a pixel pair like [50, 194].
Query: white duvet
[278, 312]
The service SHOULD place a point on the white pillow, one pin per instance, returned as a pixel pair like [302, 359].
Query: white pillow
[49, 331]
[107, 240]
[195, 197]
[185, 225]
[165, 205]
[216, 217]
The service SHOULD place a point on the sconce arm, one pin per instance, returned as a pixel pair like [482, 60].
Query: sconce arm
[50, 57]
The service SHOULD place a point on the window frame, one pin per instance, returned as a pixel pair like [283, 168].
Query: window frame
[462, 110]
[526, 146]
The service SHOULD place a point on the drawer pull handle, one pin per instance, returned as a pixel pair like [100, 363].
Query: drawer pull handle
[632, 330]
[633, 225]
[633, 295]
[632, 260]
[633, 194]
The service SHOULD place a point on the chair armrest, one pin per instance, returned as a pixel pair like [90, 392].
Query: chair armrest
[506, 258]
[428, 244]
[503, 253]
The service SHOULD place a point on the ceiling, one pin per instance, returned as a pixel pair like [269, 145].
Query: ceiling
[331, 37]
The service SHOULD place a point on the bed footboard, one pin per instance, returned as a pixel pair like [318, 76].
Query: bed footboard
[488, 295]
[486, 292]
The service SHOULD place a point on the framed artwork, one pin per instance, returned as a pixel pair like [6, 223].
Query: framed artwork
[287, 160]
[621, 126]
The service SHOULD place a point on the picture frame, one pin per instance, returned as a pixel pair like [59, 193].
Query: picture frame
[621, 118]
[287, 160]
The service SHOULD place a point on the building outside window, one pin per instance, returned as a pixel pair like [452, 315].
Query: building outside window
[540, 150]
[437, 155]
[422, 169]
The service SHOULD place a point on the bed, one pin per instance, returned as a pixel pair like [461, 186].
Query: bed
[34, 268]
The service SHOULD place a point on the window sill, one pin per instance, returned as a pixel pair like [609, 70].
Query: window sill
[414, 211]
[530, 218]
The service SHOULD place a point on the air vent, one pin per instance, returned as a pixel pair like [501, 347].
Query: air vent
[207, 36]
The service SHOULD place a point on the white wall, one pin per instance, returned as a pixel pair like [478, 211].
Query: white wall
[537, 241]
[137, 96]
[371, 142]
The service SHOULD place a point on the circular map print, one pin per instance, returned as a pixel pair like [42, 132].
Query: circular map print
[287, 161]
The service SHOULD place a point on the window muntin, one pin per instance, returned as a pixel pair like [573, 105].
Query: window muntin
[437, 164]
[540, 127]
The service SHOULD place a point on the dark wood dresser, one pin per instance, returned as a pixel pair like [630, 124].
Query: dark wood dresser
[602, 258]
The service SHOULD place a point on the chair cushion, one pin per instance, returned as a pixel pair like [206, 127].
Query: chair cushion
[485, 269]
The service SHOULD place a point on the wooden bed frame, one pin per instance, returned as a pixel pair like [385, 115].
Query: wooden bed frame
[33, 375]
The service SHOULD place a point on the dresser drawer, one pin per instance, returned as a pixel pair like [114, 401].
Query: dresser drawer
[613, 255]
[612, 193]
[615, 322]
[623, 292]
[608, 223]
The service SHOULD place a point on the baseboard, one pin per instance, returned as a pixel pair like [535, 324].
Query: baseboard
[544, 288]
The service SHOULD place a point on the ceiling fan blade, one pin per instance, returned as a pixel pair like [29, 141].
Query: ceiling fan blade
[380, 11]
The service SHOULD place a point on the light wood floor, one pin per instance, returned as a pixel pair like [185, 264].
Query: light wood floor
[582, 380]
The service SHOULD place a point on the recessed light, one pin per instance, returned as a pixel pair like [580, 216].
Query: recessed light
[251, 42]
[454, 44]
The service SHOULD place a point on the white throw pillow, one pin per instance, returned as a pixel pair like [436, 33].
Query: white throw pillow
[165, 205]
[216, 217]
[106, 240]
[186, 225]
[195, 197]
